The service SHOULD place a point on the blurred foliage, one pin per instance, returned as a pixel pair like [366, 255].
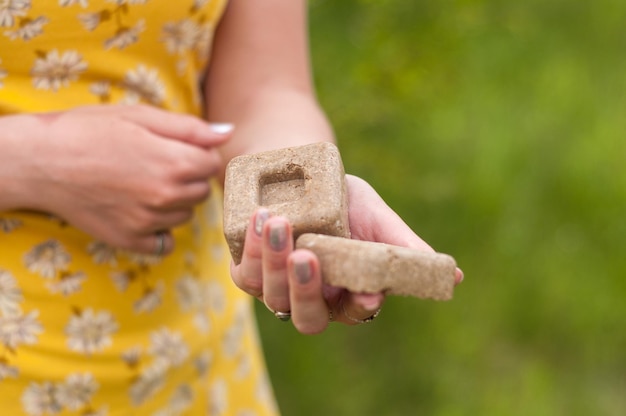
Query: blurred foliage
[496, 130]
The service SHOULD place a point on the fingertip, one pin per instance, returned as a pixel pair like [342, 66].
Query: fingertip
[208, 135]
[311, 328]
[260, 216]
[277, 234]
[303, 265]
[222, 129]
[369, 301]
[458, 276]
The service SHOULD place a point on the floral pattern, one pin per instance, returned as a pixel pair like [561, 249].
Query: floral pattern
[74, 394]
[54, 70]
[29, 29]
[88, 332]
[10, 10]
[120, 332]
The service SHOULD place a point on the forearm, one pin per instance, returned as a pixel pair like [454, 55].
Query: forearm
[260, 78]
[274, 118]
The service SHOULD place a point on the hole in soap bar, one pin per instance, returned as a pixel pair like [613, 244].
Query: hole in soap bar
[282, 186]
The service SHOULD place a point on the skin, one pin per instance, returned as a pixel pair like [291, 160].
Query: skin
[260, 80]
[151, 167]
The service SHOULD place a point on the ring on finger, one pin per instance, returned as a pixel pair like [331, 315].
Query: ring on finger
[357, 320]
[159, 249]
[283, 316]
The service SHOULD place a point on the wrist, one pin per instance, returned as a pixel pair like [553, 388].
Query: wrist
[21, 137]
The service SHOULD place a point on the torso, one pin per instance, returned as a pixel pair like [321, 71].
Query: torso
[85, 327]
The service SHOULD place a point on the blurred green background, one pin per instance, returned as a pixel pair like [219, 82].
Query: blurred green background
[495, 129]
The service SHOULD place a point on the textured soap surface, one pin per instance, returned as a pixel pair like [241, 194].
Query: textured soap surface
[363, 266]
[305, 184]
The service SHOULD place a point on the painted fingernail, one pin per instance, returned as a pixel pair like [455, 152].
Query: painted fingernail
[302, 270]
[261, 216]
[278, 237]
[222, 128]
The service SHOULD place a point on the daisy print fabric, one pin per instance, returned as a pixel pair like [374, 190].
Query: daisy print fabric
[87, 329]
[169, 46]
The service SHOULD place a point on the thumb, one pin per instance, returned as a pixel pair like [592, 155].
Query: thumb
[206, 135]
[373, 220]
[219, 134]
[182, 127]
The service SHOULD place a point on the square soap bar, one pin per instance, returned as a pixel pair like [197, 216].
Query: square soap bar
[305, 184]
[370, 267]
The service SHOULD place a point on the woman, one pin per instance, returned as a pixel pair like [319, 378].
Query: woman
[115, 284]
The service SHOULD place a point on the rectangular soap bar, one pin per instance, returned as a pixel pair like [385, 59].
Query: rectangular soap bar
[370, 267]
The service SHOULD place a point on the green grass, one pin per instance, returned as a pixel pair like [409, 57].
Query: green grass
[496, 130]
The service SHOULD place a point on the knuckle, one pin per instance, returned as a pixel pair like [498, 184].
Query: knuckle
[182, 217]
[251, 286]
[164, 196]
[201, 192]
[143, 222]
[214, 161]
[174, 167]
[204, 192]
[186, 215]
[186, 166]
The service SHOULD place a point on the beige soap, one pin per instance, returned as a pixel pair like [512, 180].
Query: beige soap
[305, 184]
[363, 266]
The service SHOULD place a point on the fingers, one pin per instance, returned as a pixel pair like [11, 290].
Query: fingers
[276, 248]
[458, 276]
[181, 127]
[171, 197]
[358, 308]
[263, 269]
[309, 311]
[290, 281]
[247, 275]
[159, 243]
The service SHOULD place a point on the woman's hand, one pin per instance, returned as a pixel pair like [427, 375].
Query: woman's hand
[289, 280]
[120, 173]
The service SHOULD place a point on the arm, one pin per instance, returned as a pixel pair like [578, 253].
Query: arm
[260, 78]
[119, 173]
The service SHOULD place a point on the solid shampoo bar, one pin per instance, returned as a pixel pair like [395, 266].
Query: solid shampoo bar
[363, 266]
[305, 184]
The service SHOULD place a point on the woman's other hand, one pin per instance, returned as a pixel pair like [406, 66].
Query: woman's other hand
[120, 173]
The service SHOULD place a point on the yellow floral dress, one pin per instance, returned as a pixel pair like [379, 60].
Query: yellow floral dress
[86, 329]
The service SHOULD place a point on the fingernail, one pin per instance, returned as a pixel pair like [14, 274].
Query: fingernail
[222, 128]
[278, 237]
[459, 276]
[302, 270]
[261, 216]
[371, 305]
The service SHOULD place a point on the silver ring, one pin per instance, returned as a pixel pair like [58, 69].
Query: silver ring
[160, 243]
[331, 317]
[283, 316]
[360, 321]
